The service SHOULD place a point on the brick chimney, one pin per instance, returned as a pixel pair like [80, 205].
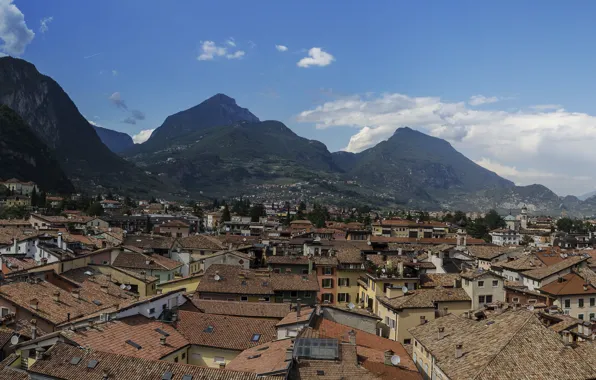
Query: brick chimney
[76, 293]
[56, 296]
[34, 304]
[459, 350]
[104, 288]
[33, 328]
[388, 355]
[352, 337]
[162, 340]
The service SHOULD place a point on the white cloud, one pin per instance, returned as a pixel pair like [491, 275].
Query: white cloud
[477, 100]
[210, 50]
[231, 42]
[547, 107]
[94, 123]
[14, 33]
[44, 24]
[532, 143]
[142, 136]
[252, 44]
[281, 48]
[91, 56]
[237, 55]
[114, 73]
[117, 100]
[316, 57]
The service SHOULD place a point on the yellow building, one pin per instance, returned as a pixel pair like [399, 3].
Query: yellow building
[142, 284]
[18, 201]
[410, 229]
[372, 286]
[188, 283]
[401, 312]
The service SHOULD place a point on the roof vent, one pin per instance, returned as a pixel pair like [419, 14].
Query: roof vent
[167, 376]
[76, 360]
[162, 332]
[320, 372]
[135, 345]
[187, 377]
[92, 364]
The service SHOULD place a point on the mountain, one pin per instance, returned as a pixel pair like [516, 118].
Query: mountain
[219, 110]
[56, 121]
[587, 195]
[215, 159]
[412, 165]
[25, 157]
[117, 141]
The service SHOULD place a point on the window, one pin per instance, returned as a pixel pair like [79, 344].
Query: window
[219, 359]
[515, 299]
[343, 282]
[592, 302]
[176, 359]
[407, 341]
[255, 337]
[580, 316]
[183, 355]
[495, 283]
[489, 299]
[327, 297]
[580, 302]
[244, 298]
[277, 270]
[481, 284]
[328, 271]
[306, 294]
[152, 310]
[481, 299]
[343, 297]
[4, 311]
[567, 304]
[467, 282]
[327, 283]
[373, 286]
[591, 316]
[293, 294]
[266, 299]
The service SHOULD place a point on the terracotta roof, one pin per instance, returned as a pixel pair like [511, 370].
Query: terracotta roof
[14, 222]
[92, 279]
[432, 280]
[540, 273]
[523, 263]
[15, 263]
[113, 336]
[200, 242]
[175, 224]
[587, 350]
[511, 345]
[409, 223]
[302, 221]
[264, 358]
[57, 364]
[237, 280]
[136, 273]
[288, 260]
[348, 253]
[292, 317]
[570, 284]
[330, 329]
[243, 309]
[136, 260]
[225, 332]
[565, 322]
[488, 252]
[477, 273]
[326, 260]
[22, 294]
[8, 234]
[424, 298]
[149, 241]
[199, 256]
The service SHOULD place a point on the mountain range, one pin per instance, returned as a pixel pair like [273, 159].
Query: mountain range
[218, 148]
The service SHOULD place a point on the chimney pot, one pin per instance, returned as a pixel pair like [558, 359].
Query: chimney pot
[34, 303]
[222, 365]
[459, 351]
[104, 288]
[422, 319]
[162, 340]
[352, 337]
[39, 353]
[106, 374]
[388, 356]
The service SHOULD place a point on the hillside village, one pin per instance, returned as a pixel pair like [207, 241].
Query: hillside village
[104, 285]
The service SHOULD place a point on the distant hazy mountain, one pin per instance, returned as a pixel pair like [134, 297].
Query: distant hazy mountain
[56, 121]
[587, 195]
[24, 156]
[117, 141]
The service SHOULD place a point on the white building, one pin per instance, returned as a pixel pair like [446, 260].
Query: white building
[505, 236]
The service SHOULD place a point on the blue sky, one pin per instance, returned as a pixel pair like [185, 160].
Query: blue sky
[509, 84]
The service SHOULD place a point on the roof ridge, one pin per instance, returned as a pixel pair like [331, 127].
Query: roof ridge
[513, 336]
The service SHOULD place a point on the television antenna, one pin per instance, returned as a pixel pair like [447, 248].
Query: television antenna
[395, 360]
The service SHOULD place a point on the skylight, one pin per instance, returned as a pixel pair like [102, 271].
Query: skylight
[209, 329]
[255, 337]
[135, 345]
[162, 332]
[167, 376]
[98, 303]
[76, 360]
[92, 364]
[187, 377]
[254, 356]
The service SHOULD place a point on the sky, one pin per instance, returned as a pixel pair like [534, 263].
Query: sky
[509, 84]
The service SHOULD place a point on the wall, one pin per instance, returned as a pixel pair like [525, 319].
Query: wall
[296, 269]
[423, 359]
[409, 318]
[180, 356]
[535, 284]
[158, 305]
[188, 283]
[25, 314]
[123, 278]
[352, 290]
[208, 354]
[574, 310]
[350, 319]
[290, 330]
[321, 276]
[474, 291]
[228, 259]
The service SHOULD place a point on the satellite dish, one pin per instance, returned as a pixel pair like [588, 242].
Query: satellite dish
[395, 360]
[88, 273]
[14, 340]
[351, 306]
[122, 286]
[404, 289]
[216, 277]
[128, 287]
[531, 308]
[383, 270]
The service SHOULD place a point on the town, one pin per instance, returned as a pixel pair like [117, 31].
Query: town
[101, 284]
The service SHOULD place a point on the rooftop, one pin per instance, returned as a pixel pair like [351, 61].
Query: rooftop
[570, 284]
[243, 309]
[445, 280]
[424, 298]
[544, 272]
[489, 252]
[136, 260]
[199, 242]
[225, 332]
[262, 359]
[292, 317]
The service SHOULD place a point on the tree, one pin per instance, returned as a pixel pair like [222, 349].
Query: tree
[565, 225]
[226, 217]
[41, 202]
[409, 216]
[302, 206]
[319, 215]
[95, 209]
[478, 229]
[34, 198]
[256, 212]
[493, 220]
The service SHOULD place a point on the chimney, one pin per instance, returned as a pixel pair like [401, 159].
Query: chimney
[15, 246]
[399, 251]
[76, 293]
[56, 296]
[586, 286]
[34, 303]
[60, 240]
[352, 337]
[222, 365]
[388, 356]
[290, 353]
[298, 308]
[441, 333]
[39, 353]
[459, 352]
[104, 288]
[566, 338]
[108, 277]
[162, 340]
[33, 329]
[422, 319]
[106, 374]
